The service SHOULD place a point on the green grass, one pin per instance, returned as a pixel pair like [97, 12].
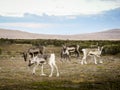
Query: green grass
[62, 85]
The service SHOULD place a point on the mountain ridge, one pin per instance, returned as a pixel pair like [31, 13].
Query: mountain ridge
[112, 34]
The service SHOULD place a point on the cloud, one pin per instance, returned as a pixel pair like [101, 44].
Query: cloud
[56, 7]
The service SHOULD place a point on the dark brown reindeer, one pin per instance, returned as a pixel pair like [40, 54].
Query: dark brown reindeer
[66, 51]
[33, 51]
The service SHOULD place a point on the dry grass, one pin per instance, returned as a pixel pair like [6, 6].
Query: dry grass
[15, 75]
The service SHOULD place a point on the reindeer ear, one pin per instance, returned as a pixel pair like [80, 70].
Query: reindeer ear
[25, 56]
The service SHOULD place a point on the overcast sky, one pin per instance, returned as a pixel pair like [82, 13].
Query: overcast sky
[60, 16]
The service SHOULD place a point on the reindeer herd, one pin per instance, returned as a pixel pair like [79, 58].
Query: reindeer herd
[36, 56]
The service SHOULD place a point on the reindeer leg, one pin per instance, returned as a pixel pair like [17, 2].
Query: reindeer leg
[69, 58]
[100, 61]
[95, 59]
[56, 69]
[61, 57]
[33, 72]
[78, 54]
[42, 72]
[62, 60]
[84, 60]
[52, 68]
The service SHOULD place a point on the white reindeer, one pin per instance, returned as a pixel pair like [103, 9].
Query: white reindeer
[41, 60]
[95, 52]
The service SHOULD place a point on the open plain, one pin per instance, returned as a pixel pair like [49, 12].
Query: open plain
[16, 75]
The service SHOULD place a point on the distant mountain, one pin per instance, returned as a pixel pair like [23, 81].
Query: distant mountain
[113, 34]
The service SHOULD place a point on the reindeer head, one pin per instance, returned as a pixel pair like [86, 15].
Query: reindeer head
[100, 48]
[32, 60]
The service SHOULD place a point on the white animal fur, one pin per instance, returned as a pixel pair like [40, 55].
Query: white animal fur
[51, 61]
[96, 52]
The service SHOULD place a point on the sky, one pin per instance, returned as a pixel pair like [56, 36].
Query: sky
[60, 16]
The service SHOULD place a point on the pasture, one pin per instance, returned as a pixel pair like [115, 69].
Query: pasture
[16, 75]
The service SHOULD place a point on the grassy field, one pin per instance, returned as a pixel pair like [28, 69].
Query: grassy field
[15, 74]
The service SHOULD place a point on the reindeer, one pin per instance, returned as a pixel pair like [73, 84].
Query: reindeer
[65, 54]
[43, 59]
[66, 51]
[33, 52]
[95, 52]
[37, 57]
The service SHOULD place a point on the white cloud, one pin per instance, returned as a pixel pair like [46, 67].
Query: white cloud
[71, 17]
[56, 7]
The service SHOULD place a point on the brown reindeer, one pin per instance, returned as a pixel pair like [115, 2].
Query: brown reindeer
[31, 52]
[66, 51]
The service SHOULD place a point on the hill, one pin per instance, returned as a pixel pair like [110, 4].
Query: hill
[113, 34]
